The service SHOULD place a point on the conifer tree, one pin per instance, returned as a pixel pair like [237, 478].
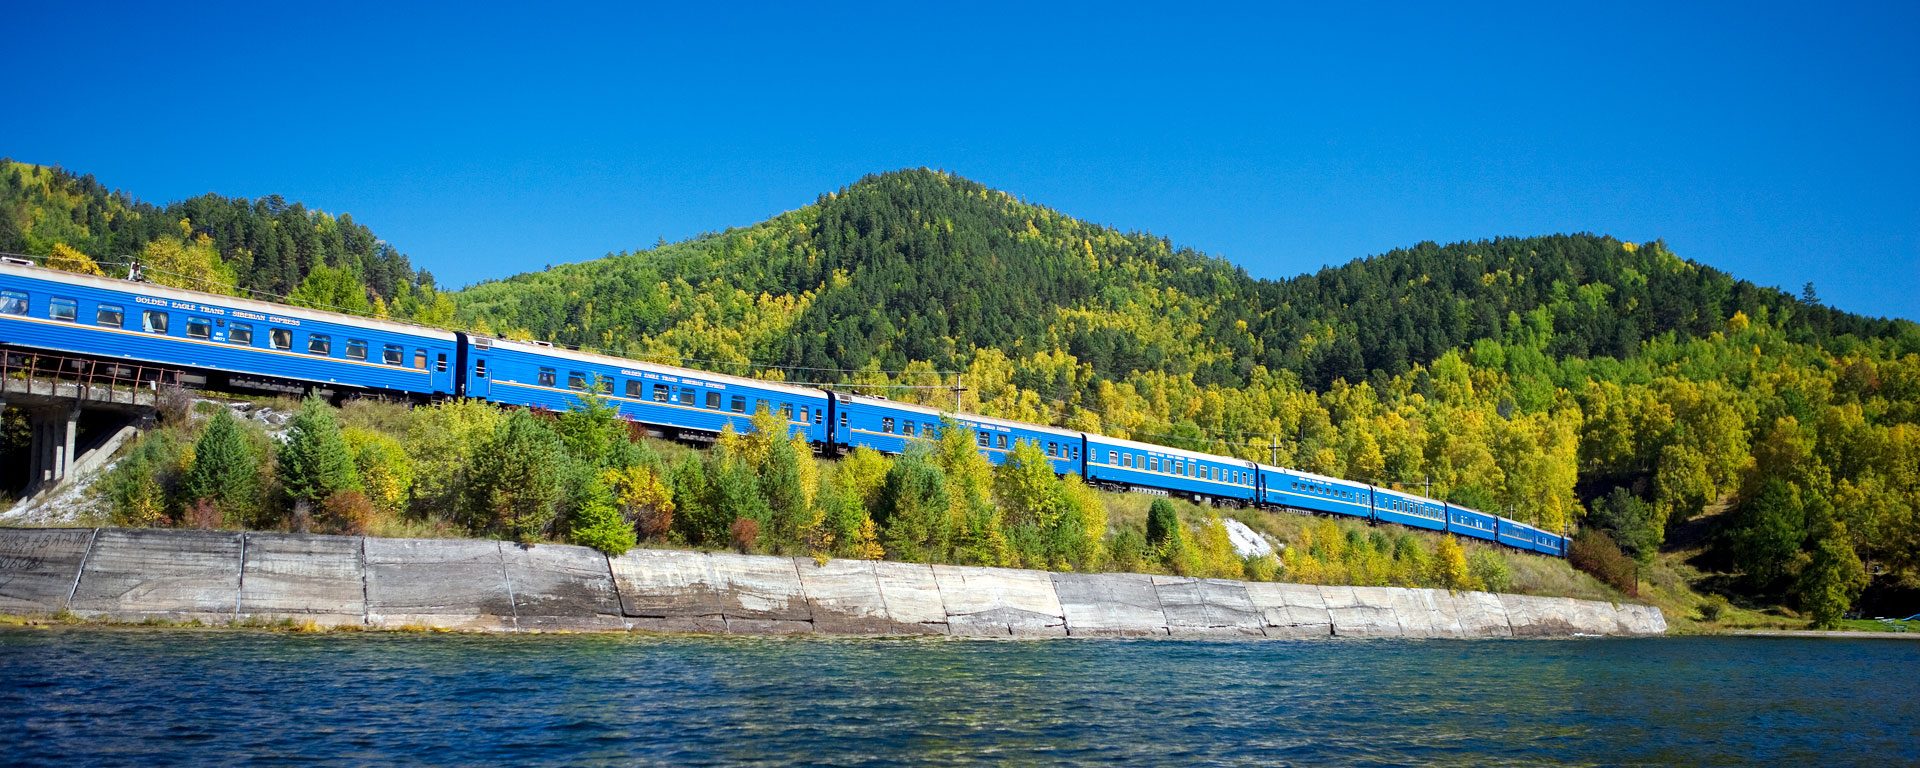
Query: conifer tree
[225, 470]
[596, 521]
[519, 479]
[315, 462]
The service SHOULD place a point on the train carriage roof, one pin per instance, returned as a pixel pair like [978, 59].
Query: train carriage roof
[939, 414]
[1182, 452]
[564, 353]
[1314, 476]
[223, 300]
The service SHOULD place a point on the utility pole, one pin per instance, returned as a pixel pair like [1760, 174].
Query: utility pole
[957, 389]
[1273, 451]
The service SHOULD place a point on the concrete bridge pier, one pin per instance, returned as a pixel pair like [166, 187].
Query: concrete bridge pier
[50, 454]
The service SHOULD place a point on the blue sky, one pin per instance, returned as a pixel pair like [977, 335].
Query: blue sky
[1778, 143]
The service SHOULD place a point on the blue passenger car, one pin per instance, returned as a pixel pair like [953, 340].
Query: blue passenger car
[890, 426]
[1115, 462]
[1516, 534]
[1472, 523]
[1314, 493]
[1549, 544]
[1408, 509]
[681, 399]
[239, 341]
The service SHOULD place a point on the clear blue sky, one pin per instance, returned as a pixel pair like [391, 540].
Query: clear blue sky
[1781, 144]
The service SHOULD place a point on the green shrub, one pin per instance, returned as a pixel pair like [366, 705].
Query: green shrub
[138, 490]
[1713, 608]
[386, 472]
[1490, 569]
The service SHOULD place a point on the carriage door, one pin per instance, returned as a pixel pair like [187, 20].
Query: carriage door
[479, 377]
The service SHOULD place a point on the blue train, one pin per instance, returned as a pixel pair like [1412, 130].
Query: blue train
[227, 342]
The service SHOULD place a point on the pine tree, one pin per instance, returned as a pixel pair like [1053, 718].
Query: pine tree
[315, 463]
[519, 479]
[596, 521]
[1163, 524]
[913, 512]
[225, 470]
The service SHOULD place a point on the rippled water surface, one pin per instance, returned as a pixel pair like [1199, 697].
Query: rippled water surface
[207, 697]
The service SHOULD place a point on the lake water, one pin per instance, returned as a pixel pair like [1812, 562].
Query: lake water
[147, 697]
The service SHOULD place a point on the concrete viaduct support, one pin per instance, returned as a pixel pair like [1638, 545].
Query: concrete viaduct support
[80, 411]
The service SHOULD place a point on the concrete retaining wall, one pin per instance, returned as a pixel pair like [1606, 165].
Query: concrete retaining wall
[131, 575]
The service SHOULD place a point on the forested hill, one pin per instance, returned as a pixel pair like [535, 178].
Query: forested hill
[923, 266]
[267, 246]
[1573, 381]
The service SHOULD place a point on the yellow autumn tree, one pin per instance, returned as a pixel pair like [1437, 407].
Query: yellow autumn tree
[72, 260]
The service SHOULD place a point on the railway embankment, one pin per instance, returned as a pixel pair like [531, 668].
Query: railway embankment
[134, 575]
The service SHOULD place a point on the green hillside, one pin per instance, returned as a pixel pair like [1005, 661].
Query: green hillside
[237, 246]
[1574, 381]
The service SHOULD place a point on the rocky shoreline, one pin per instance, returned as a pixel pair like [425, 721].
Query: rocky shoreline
[131, 575]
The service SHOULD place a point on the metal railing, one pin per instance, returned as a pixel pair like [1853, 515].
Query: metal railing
[112, 381]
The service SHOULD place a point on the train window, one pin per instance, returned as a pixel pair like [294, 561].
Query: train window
[577, 381]
[983, 440]
[153, 321]
[480, 368]
[818, 415]
[547, 377]
[806, 415]
[317, 343]
[843, 419]
[199, 328]
[420, 359]
[633, 388]
[686, 397]
[356, 349]
[759, 404]
[1126, 460]
[1001, 441]
[389, 354]
[662, 393]
[1153, 463]
[440, 364]
[738, 404]
[786, 414]
[907, 429]
[886, 424]
[713, 400]
[63, 309]
[1052, 448]
[13, 302]
[1113, 457]
[110, 316]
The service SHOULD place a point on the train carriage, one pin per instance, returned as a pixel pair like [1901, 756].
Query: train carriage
[892, 427]
[1314, 493]
[679, 399]
[1408, 509]
[1472, 523]
[238, 342]
[1114, 462]
[1516, 534]
[1549, 544]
